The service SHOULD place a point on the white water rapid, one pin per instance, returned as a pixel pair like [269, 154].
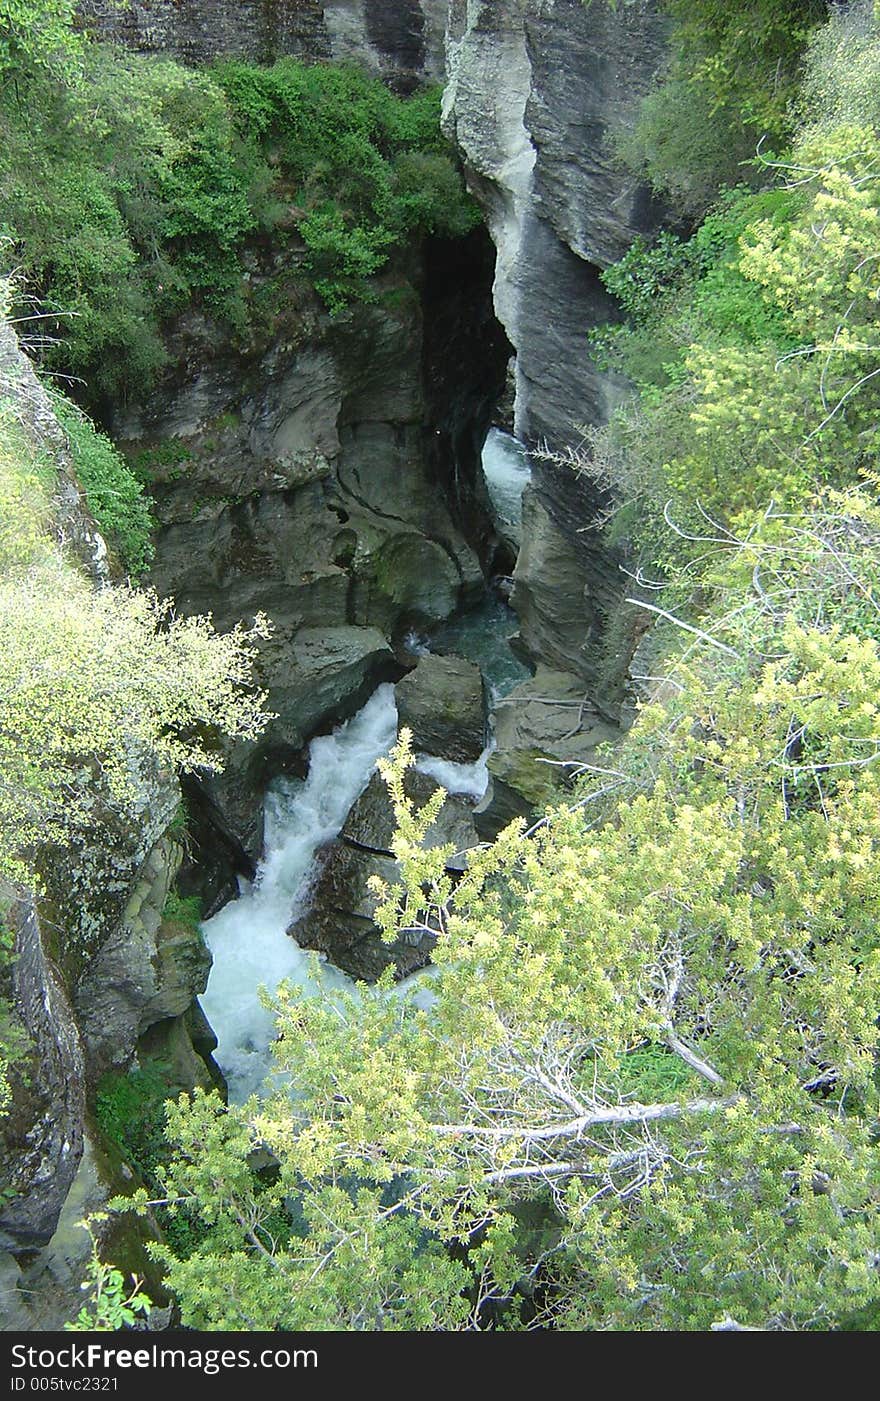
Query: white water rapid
[507, 473]
[470, 780]
[248, 938]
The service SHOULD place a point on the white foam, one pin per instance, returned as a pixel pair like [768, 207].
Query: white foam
[248, 938]
[470, 780]
[507, 472]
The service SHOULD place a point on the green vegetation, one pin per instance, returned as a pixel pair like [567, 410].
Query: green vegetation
[132, 192]
[729, 86]
[37, 36]
[646, 1095]
[183, 909]
[115, 496]
[130, 1110]
[112, 1305]
[99, 687]
[14, 1040]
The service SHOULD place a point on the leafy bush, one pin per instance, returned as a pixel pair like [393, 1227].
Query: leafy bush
[730, 83]
[363, 167]
[115, 496]
[130, 1110]
[842, 71]
[134, 192]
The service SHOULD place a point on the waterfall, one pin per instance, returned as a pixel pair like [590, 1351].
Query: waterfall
[470, 780]
[507, 473]
[248, 939]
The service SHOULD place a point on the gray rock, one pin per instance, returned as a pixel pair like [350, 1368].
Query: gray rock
[150, 969]
[322, 674]
[48, 1288]
[399, 40]
[339, 918]
[442, 702]
[42, 1135]
[543, 727]
[73, 523]
[371, 824]
[300, 481]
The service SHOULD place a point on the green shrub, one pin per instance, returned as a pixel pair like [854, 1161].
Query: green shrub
[729, 85]
[130, 1110]
[184, 910]
[364, 168]
[115, 496]
[131, 194]
[842, 71]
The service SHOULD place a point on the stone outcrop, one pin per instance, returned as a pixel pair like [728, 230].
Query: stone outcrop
[441, 701]
[150, 969]
[42, 1138]
[537, 91]
[544, 728]
[399, 40]
[28, 400]
[338, 918]
[43, 1289]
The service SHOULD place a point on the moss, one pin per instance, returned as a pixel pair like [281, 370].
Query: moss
[185, 911]
[164, 461]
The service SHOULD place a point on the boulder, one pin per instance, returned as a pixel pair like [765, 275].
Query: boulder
[338, 920]
[544, 728]
[442, 702]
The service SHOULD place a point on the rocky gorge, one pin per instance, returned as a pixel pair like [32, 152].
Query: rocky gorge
[327, 472]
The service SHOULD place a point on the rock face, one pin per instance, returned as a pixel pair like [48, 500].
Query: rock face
[401, 40]
[338, 920]
[24, 394]
[544, 728]
[536, 91]
[442, 703]
[149, 970]
[326, 474]
[43, 1136]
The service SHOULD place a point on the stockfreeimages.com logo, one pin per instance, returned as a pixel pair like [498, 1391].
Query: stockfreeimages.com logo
[102, 1357]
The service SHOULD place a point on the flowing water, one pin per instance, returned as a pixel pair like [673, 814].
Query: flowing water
[507, 473]
[248, 939]
[483, 636]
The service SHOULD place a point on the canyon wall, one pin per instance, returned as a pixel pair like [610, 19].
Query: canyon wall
[399, 40]
[537, 90]
[326, 473]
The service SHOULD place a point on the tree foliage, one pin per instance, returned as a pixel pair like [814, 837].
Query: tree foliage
[116, 498]
[38, 36]
[136, 191]
[643, 1093]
